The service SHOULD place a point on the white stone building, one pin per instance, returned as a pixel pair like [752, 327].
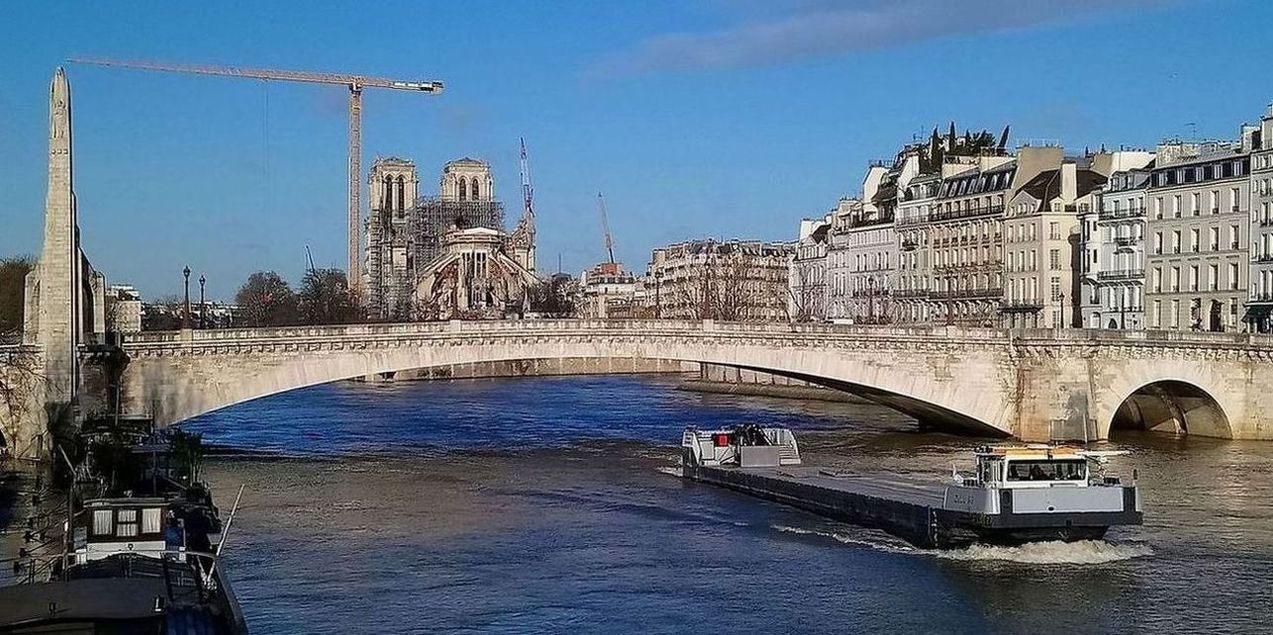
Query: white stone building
[1199, 229]
[608, 292]
[1259, 313]
[807, 300]
[733, 280]
[1114, 273]
[1041, 243]
[910, 291]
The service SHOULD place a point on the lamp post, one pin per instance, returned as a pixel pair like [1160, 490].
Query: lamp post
[1062, 311]
[185, 314]
[202, 304]
[658, 292]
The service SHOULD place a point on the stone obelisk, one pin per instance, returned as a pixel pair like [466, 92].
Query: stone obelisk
[60, 262]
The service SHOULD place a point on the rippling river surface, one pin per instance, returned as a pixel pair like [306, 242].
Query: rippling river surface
[545, 505]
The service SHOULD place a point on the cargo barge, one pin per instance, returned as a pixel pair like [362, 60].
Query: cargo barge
[1018, 493]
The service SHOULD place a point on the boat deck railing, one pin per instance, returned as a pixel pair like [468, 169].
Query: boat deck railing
[706, 451]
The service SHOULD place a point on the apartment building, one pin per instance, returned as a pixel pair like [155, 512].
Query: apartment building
[1199, 225]
[910, 288]
[1042, 247]
[1259, 313]
[1115, 263]
[808, 294]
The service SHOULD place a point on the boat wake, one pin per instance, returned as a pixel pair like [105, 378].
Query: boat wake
[1084, 552]
[881, 542]
[670, 471]
[1052, 552]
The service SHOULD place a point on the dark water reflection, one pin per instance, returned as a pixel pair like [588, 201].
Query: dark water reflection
[542, 505]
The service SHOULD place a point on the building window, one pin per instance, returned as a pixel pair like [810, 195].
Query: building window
[1056, 288]
[1233, 275]
[1213, 277]
[1054, 231]
[1054, 259]
[464, 189]
[1194, 240]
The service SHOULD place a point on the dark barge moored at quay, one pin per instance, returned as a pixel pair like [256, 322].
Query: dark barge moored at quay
[141, 556]
[1018, 494]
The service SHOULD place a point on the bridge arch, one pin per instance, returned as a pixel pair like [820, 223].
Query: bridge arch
[1171, 405]
[178, 381]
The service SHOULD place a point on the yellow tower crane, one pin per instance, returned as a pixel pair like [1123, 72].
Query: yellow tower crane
[355, 83]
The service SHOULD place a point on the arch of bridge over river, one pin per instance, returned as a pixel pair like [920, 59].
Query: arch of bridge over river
[1034, 385]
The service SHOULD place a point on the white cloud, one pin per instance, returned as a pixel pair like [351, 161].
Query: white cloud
[797, 30]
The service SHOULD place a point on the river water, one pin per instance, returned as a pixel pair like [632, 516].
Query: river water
[545, 505]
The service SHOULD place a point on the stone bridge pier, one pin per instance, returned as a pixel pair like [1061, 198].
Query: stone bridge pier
[1033, 385]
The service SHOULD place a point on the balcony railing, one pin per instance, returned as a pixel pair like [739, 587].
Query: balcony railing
[1266, 222]
[1120, 274]
[1261, 298]
[993, 292]
[1126, 241]
[910, 293]
[1016, 306]
[1131, 212]
[955, 214]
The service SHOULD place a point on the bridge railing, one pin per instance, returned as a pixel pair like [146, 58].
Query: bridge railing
[672, 327]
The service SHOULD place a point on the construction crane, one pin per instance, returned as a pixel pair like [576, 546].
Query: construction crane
[355, 84]
[605, 226]
[528, 193]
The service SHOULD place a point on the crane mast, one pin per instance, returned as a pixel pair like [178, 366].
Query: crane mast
[528, 193]
[605, 226]
[355, 84]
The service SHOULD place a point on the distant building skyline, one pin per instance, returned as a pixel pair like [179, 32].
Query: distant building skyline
[692, 123]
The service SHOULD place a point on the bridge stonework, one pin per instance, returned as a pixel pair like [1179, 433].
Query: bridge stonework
[1035, 385]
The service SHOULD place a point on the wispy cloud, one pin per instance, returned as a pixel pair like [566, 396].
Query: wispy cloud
[797, 30]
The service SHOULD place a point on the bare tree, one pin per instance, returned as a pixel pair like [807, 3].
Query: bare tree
[13, 274]
[325, 298]
[266, 300]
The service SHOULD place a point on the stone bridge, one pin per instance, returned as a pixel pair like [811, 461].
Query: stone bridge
[1034, 385]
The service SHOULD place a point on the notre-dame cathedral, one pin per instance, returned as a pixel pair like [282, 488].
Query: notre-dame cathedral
[447, 256]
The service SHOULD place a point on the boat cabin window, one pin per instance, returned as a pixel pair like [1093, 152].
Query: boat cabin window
[150, 518]
[988, 471]
[127, 522]
[103, 522]
[1066, 470]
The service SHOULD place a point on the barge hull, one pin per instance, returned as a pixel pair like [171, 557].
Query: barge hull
[911, 511]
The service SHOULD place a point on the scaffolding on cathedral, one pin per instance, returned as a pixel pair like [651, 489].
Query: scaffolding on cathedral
[436, 216]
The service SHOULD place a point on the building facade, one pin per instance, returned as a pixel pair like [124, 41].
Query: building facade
[1199, 227]
[608, 292]
[910, 292]
[734, 280]
[808, 294]
[1259, 313]
[1042, 247]
[1114, 278]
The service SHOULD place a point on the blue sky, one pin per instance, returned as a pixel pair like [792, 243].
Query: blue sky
[725, 118]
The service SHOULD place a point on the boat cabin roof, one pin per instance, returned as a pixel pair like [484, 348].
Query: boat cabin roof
[1043, 452]
[147, 501]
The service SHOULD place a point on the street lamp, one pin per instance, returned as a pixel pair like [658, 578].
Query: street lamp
[202, 281]
[185, 315]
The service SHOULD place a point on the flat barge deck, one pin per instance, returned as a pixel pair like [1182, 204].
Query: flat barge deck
[997, 509]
